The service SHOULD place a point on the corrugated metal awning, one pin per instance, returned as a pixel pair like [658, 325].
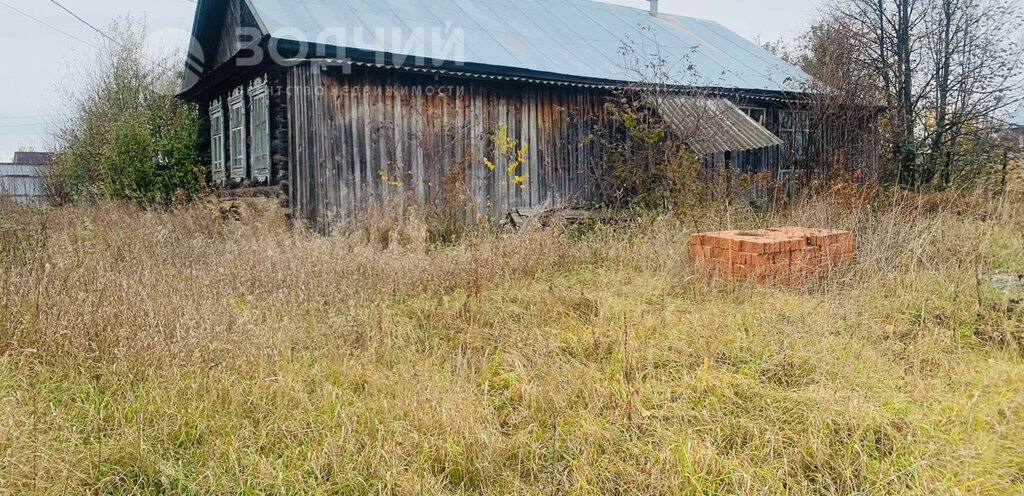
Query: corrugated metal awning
[712, 125]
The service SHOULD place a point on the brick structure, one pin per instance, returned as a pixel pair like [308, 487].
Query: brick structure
[787, 255]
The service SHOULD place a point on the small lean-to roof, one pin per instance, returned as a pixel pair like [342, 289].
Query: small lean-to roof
[712, 125]
[563, 40]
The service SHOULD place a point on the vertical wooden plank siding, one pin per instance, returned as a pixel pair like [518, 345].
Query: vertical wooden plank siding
[312, 185]
[388, 138]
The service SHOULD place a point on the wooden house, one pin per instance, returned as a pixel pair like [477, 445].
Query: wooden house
[342, 105]
[1014, 127]
[21, 180]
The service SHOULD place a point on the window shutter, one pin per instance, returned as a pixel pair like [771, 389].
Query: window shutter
[217, 155]
[259, 105]
[236, 121]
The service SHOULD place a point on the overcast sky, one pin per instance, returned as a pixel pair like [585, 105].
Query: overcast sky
[39, 51]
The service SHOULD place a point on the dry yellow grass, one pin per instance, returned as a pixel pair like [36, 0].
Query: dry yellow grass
[148, 353]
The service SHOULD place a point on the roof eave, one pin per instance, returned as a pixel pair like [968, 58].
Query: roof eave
[340, 55]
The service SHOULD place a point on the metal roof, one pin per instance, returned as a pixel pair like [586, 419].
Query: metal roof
[563, 39]
[33, 158]
[712, 125]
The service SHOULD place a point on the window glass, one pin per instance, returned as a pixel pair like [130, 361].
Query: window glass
[259, 99]
[237, 145]
[757, 115]
[794, 132]
[217, 141]
[786, 119]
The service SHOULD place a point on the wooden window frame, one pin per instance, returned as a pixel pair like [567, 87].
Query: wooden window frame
[750, 111]
[237, 136]
[218, 152]
[754, 161]
[259, 123]
[795, 135]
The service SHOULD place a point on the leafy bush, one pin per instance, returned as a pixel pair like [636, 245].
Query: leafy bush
[128, 137]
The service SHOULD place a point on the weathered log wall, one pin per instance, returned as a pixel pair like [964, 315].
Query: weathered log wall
[377, 137]
[279, 133]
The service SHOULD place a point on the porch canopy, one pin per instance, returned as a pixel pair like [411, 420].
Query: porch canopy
[712, 125]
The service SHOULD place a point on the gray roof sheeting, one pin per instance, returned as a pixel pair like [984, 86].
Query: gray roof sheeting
[576, 39]
[713, 125]
[33, 158]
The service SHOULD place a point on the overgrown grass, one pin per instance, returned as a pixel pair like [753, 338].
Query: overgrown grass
[146, 353]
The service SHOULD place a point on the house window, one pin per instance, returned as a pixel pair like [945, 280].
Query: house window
[237, 138]
[793, 131]
[757, 114]
[259, 110]
[786, 119]
[754, 161]
[217, 153]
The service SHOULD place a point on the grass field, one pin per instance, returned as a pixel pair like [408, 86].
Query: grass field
[149, 353]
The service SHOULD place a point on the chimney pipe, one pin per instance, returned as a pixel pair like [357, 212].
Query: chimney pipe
[654, 7]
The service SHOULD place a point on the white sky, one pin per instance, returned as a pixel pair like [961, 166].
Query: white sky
[38, 57]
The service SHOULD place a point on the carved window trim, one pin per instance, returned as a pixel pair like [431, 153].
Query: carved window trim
[218, 152]
[259, 106]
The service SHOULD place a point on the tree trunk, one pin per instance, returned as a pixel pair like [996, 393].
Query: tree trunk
[940, 156]
[907, 133]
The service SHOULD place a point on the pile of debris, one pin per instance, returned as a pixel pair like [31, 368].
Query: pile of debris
[527, 219]
[787, 255]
